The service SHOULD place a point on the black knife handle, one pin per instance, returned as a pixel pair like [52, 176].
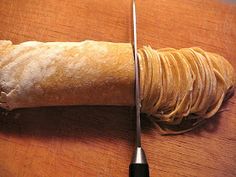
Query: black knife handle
[138, 170]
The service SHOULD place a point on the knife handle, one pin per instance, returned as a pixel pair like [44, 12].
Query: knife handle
[138, 170]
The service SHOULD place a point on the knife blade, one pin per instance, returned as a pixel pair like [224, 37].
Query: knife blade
[138, 166]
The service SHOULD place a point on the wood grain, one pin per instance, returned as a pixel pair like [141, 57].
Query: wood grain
[98, 141]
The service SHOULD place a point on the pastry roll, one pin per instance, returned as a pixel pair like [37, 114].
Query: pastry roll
[176, 85]
[35, 74]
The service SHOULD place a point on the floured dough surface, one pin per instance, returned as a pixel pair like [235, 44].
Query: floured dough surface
[36, 74]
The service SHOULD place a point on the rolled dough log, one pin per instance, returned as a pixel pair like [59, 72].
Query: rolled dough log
[174, 83]
[35, 74]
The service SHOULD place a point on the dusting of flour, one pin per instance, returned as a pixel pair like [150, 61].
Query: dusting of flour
[40, 68]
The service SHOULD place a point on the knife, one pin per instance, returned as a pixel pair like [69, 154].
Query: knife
[138, 166]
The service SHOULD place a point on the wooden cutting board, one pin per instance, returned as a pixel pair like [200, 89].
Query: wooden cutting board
[99, 141]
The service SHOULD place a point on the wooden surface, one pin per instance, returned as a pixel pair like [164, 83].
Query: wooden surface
[99, 141]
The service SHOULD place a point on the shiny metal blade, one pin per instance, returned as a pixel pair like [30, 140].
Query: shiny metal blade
[137, 80]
